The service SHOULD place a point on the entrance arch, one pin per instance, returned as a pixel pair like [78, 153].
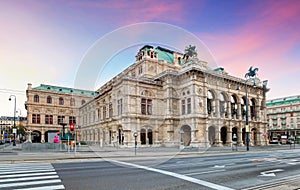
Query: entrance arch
[143, 136]
[36, 136]
[146, 136]
[223, 135]
[253, 136]
[211, 135]
[186, 135]
[244, 135]
[150, 136]
[234, 132]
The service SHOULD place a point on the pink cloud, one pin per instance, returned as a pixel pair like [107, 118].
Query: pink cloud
[129, 12]
[263, 42]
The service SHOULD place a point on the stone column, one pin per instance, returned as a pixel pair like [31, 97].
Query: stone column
[229, 136]
[217, 108]
[239, 112]
[240, 137]
[229, 109]
[218, 136]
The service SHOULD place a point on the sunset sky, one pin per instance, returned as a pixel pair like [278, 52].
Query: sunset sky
[46, 42]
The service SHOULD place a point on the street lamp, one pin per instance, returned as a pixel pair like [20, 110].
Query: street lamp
[251, 74]
[135, 134]
[14, 130]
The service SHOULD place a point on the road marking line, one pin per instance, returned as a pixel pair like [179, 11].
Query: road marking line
[180, 176]
[30, 183]
[27, 174]
[27, 171]
[28, 178]
[53, 187]
[206, 172]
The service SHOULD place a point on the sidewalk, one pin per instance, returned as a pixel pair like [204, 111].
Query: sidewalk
[16, 154]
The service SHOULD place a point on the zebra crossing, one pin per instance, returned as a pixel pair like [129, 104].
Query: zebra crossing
[29, 176]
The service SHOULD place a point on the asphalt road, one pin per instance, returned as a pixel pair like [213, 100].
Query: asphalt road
[276, 170]
[251, 170]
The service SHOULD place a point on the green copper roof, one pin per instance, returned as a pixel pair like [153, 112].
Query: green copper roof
[165, 54]
[65, 90]
[282, 101]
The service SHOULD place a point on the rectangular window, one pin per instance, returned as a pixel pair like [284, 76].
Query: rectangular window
[104, 112]
[36, 118]
[60, 119]
[72, 119]
[48, 119]
[143, 106]
[120, 106]
[189, 106]
[149, 107]
[98, 113]
[140, 69]
[110, 110]
[183, 107]
[146, 106]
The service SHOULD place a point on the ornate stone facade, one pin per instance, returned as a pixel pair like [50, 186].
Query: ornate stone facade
[48, 105]
[172, 101]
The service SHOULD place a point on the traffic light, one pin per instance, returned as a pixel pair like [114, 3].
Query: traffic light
[72, 126]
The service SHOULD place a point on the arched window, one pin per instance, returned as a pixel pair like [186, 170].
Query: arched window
[61, 101]
[72, 102]
[222, 104]
[36, 98]
[49, 100]
[210, 98]
[252, 108]
[233, 101]
[82, 102]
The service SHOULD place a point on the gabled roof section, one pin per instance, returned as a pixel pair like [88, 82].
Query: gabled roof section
[66, 90]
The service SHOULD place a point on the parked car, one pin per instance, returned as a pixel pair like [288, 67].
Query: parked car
[283, 139]
[274, 140]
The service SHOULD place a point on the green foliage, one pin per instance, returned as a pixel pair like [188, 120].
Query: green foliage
[21, 129]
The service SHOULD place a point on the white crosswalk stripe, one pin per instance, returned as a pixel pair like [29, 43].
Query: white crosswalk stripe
[31, 176]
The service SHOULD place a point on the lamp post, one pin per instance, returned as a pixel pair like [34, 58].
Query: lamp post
[14, 130]
[251, 74]
[135, 134]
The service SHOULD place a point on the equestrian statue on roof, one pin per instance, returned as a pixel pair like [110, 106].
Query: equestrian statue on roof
[189, 52]
[251, 72]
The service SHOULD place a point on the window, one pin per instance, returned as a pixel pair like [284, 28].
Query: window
[82, 102]
[110, 110]
[146, 106]
[140, 69]
[119, 106]
[98, 113]
[149, 107]
[72, 102]
[48, 119]
[189, 106]
[61, 101]
[36, 118]
[104, 112]
[49, 100]
[60, 119]
[72, 119]
[36, 98]
[183, 107]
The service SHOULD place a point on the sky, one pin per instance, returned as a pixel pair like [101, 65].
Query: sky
[47, 42]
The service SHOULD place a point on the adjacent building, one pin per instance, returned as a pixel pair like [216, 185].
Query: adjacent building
[171, 99]
[48, 106]
[284, 116]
